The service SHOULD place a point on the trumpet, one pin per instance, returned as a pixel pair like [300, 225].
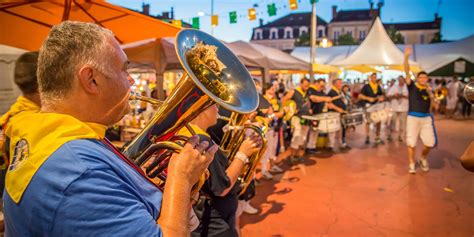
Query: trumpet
[234, 136]
[200, 87]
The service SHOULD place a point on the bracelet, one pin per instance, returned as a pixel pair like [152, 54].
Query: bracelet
[241, 156]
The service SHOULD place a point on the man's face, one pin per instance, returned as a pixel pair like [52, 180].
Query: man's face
[210, 115]
[271, 91]
[322, 85]
[401, 81]
[305, 85]
[338, 84]
[422, 79]
[114, 85]
[373, 78]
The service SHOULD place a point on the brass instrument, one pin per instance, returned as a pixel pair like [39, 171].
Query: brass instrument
[234, 136]
[468, 92]
[289, 107]
[438, 95]
[200, 87]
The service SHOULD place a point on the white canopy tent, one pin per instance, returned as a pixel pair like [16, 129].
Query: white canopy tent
[8, 90]
[376, 50]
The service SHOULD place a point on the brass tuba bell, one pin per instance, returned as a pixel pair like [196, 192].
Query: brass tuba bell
[199, 87]
[468, 92]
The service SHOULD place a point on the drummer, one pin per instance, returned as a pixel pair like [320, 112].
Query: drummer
[372, 94]
[337, 105]
[300, 128]
[318, 105]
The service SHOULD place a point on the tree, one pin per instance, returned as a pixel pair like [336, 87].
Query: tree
[346, 39]
[437, 38]
[395, 36]
[303, 39]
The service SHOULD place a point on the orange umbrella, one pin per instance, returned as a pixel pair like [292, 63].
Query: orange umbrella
[26, 24]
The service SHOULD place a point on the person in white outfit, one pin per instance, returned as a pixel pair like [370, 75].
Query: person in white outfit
[453, 95]
[398, 97]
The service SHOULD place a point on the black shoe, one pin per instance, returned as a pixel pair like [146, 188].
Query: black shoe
[389, 138]
[367, 141]
[312, 151]
[346, 147]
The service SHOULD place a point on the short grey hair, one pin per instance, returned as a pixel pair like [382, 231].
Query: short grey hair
[68, 47]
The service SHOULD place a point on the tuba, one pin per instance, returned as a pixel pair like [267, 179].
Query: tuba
[468, 92]
[200, 87]
[235, 134]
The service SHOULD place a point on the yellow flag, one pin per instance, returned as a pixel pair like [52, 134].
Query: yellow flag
[214, 20]
[252, 14]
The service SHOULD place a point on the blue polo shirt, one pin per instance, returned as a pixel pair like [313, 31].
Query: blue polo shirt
[84, 189]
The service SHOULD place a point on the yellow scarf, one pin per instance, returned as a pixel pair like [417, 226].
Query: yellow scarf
[185, 132]
[375, 87]
[34, 137]
[21, 104]
[420, 87]
[274, 102]
[301, 91]
[335, 89]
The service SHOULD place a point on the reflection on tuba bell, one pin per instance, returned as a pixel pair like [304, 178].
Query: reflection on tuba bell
[203, 84]
[438, 95]
[468, 92]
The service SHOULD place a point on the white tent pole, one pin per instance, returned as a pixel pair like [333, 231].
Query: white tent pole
[313, 41]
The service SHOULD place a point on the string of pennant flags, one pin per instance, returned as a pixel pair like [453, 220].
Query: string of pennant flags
[251, 15]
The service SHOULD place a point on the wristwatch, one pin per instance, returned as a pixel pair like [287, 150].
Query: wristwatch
[241, 156]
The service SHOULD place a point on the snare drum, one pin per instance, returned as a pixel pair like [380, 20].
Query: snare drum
[328, 122]
[353, 119]
[312, 121]
[378, 113]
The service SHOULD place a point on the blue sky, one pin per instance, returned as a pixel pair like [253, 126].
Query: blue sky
[457, 23]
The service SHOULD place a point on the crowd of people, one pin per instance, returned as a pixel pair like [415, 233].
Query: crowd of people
[64, 178]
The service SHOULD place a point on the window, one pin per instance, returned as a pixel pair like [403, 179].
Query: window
[362, 35]
[422, 39]
[336, 35]
[273, 33]
[320, 33]
[288, 33]
[349, 32]
[303, 30]
[258, 34]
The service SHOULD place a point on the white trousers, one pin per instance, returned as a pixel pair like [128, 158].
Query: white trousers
[270, 153]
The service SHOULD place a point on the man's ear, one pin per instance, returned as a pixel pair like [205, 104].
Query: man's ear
[87, 79]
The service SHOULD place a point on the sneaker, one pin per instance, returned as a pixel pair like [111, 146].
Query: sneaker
[331, 150]
[276, 169]
[367, 141]
[379, 141]
[311, 151]
[424, 165]
[249, 209]
[267, 175]
[345, 146]
[411, 168]
[389, 138]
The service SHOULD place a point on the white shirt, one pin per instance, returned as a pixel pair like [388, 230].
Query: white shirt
[398, 105]
[453, 89]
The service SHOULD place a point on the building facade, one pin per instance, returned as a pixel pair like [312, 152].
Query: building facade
[282, 33]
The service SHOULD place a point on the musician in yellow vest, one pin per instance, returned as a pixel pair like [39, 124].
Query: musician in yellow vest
[299, 125]
[65, 178]
[372, 94]
[217, 206]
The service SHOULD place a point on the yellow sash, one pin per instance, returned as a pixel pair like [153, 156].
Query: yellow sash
[303, 94]
[338, 91]
[34, 137]
[21, 104]
[374, 87]
[185, 132]
[273, 102]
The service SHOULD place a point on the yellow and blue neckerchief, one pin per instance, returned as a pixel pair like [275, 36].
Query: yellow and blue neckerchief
[374, 87]
[303, 94]
[21, 104]
[336, 90]
[34, 137]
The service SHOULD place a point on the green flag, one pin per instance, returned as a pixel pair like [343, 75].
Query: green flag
[233, 17]
[196, 23]
[271, 9]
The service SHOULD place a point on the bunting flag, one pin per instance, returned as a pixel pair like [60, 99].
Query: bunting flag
[271, 9]
[293, 4]
[214, 20]
[233, 17]
[252, 14]
[177, 23]
[195, 23]
[313, 1]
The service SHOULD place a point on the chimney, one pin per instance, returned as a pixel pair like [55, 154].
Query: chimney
[172, 13]
[437, 20]
[334, 11]
[146, 9]
[379, 9]
[165, 15]
[260, 21]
